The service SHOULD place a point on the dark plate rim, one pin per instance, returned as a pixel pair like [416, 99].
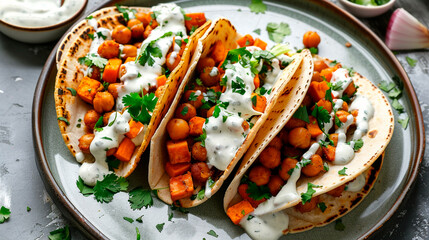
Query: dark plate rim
[91, 231]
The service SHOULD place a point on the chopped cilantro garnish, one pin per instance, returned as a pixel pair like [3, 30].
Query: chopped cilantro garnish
[192, 96]
[180, 209]
[193, 30]
[257, 31]
[92, 59]
[325, 166]
[338, 121]
[100, 35]
[170, 216]
[178, 42]
[258, 192]
[125, 11]
[261, 91]
[301, 113]
[107, 138]
[223, 81]
[106, 188]
[72, 91]
[411, 62]
[395, 93]
[304, 162]
[98, 127]
[397, 105]
[250, 217]
[386, 86]
[254, 100]
[322, 206]
[84, 189]
[306, 197]
[28, 209]
[151, 51]
[4, 214]
[90, 35]
[358, 144]
[234, 55]
[184, 111]
[202, 138]
[137, 233]
[160, 227]
[314, 50]
[139, 107]
[216, 111]
[290, 171]
[199, 82]
[139, 219]
[89, 17]
[277, 31]
[112, 162]
[342, 172]
[130, 220]
[60, 234]
[212, 233]
[238, 86]
[328, 95]
[404, 122]
[322, 115]
[200, 194]
[140, 198]
[339, 226]
[64, 120]
[257, 6]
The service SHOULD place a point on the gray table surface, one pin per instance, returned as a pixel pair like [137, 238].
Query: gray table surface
[21, 185]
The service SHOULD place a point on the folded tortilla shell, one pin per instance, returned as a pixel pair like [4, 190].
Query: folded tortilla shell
[69, 76]
[221, 30]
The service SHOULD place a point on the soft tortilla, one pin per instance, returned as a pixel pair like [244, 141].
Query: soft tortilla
[69, 76]
[375, 142]
[222, 30]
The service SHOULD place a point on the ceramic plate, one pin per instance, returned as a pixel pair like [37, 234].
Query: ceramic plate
[368, 56]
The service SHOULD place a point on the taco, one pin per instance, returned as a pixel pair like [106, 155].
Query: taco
[215, 116]
[342, 127]
[118, 72]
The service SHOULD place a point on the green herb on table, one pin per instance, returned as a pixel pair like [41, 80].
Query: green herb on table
[411, 62]
[306, 197]
[60, 234]
[4, 214]
[130, 220]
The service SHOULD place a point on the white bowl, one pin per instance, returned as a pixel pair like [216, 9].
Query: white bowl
[366, 11]
[40, 34]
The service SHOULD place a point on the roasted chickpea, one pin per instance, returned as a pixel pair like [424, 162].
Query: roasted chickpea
[314, 167]
[113, 89]
[276, 143]
[147, 31]
[199, 152]
[286, 166]
[294, 123]
[337, 192]
[283, 135]
[172, 60]
[85, 142]
[205, 62]
[103, 102]
[308, 206]
[260, 175]
[106, 117]
[292, 152]
[210, 76]
[143, 18]
[95, 73]
[129, 51]
[311, 39]
[90, 118]
[109, 49]
[178, 129]
[136, 28]
[121, 34]
[192, 97]
[299, 137]
[185, 111]
[270, 157]
[200, 172]
[138, 44]
[275, 184]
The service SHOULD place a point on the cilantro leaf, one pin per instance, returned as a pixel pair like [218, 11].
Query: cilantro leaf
[301, 113]
[306, 197]
[258, 192]
[160, 227]
[212, 233]
[180, 209]
[358, 145]
[184, 111]
[249, 217]
[304, 162]
[4, 214]
[234, 55]
[342, 172]
[98, 127]
[72, 91]
[254, 99]
[28, 208]
[397, 105]
[112, 162]
[395, 93]
[277, 31]
[257, 6]
[202, 138]
[139, 107]
[404, 122]
[314, 50]
[137, 233]
[257, 31]
[92, 59]
[192, 96]
[64, 120]
[150, 51]
[125, 11]
[130, 220]
[321, 206]
[139, 198]
[325, 166]
[106, 188]
[386, 86]
[84, 189]
[337, 121]
[210, 182]
[60, 234]
[339, 226]
[328, 95]
[322, 115]
[411, 62]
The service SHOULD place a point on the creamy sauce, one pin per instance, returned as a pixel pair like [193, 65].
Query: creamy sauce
[80, 157]
[365, 113]
[344, 152]
[266, 227]
[223, 138]
[357, 184]
[341, 79]
[108, 138]
[37, 13]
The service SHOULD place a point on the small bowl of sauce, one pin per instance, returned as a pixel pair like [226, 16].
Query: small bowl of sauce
[38, 21]
[367, 8]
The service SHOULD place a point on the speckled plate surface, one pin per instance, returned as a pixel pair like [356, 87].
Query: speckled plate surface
[368, 56]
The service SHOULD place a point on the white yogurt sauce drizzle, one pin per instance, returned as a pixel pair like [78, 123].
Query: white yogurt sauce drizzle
[37, 13]
[342, 79]
[110, 137]
[365, 113]
[266, 227]
[357, 184]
